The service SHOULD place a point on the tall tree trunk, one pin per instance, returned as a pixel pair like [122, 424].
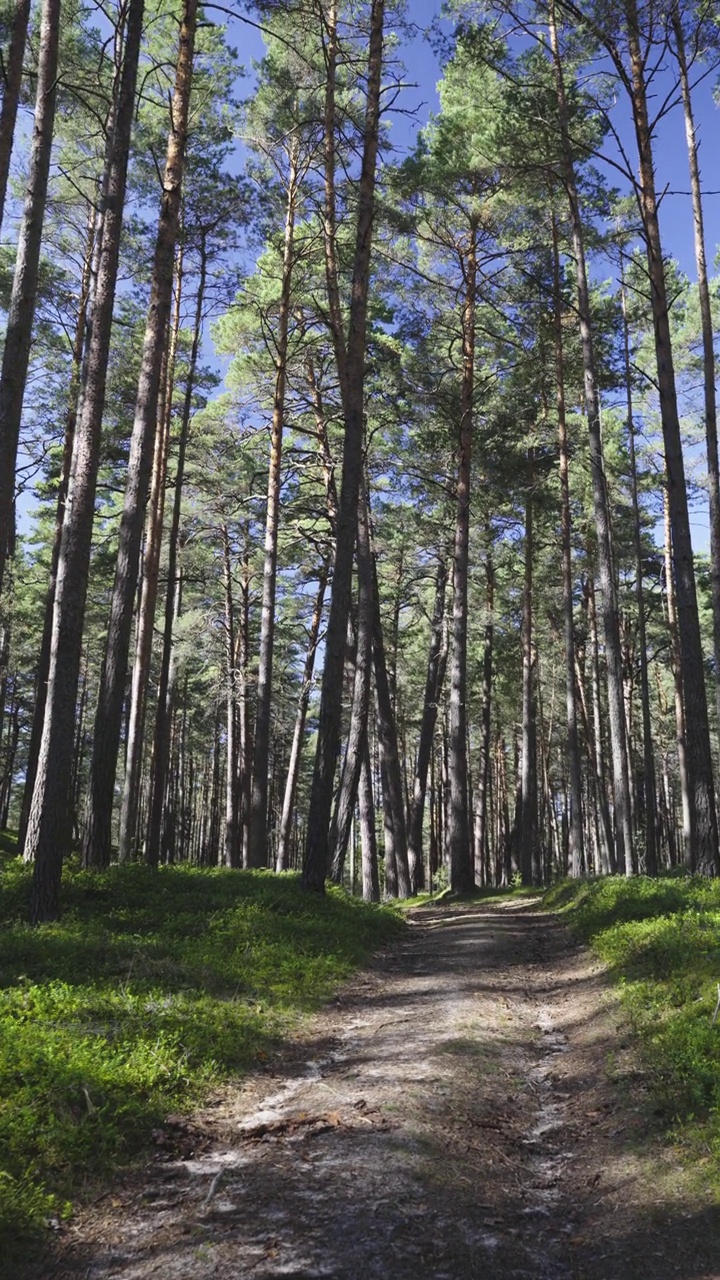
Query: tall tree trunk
[212, 838]
[483, 827]
[163, 717]
[145, 630]
[550, 838]
[258, 852]
[669, 806]
[528, 772]
[577, 849]
[680, 728]
[708, 341]
[171, 721]
[461, 869]
[283, 849]
[391, 876]
[368, 837]
[78, 757]
[282, 860]
[649, 789]
[504, 836]
[4, 676]
[393, 791]
[21, 312]
[43, 668]
[704, 855]
[434, 840]
[129, 835]
[108, 718]
[606, 844]
[232, 852]
[608, 593]
[350, 777]
[47, 823]
[12, 84]
[242, 665]
[427, 729]
[13, 738]
[351, 367]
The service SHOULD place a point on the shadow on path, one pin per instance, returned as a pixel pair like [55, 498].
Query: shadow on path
[451, 1119]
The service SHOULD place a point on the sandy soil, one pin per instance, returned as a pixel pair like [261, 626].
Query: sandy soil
[469, 1107]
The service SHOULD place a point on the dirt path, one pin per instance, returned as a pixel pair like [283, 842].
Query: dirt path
[453, 1115]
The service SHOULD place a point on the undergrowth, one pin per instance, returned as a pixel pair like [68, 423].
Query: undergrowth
[661, 940]
[152, 987]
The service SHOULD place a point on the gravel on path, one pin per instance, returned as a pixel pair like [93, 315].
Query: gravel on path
[469, 1108]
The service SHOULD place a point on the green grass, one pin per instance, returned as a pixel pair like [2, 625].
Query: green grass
[152, 988]
[661, 940]
[446, 898]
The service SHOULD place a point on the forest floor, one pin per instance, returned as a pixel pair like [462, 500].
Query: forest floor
[469, 1106]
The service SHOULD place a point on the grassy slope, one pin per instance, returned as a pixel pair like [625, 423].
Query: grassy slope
[661, 941]
[150, 988]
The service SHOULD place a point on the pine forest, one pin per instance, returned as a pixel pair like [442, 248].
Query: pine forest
[352, 450]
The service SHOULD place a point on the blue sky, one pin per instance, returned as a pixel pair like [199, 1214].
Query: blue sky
[423, 69]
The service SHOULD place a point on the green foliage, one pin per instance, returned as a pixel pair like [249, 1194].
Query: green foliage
[151, 987]
[661, 939]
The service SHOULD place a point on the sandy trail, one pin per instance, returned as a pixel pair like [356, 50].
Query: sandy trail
[467, 1108]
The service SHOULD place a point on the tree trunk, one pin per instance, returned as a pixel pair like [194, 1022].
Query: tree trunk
[352, 382]
[391, 876]
[434, 811]
[704, 855]
[47, 823]
[708, 341]
[283, 850]
[528, 773]
[350, 777]
[550, 838]
[161, 738]
[78, 757]
[669, 805]
[368, 838]
[21, 313]
[427, 729]
[232, 852]
[134, 741]
[258, 852]
[649, 789]
[680, 733]
[482, 875]
[393, 792]
[608, 594]
[575, 827]
[241, 665]
[605, 841]
[130, 826]
[4, 676]
[282, 861]
[9, 768]
[43, 668]
[212, 837]
[108, 718]
[129, 835]
[461, 868]
[12, 84]
[504, 836]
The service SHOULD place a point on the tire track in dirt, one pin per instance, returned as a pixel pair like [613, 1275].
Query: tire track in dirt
[449, 1117]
